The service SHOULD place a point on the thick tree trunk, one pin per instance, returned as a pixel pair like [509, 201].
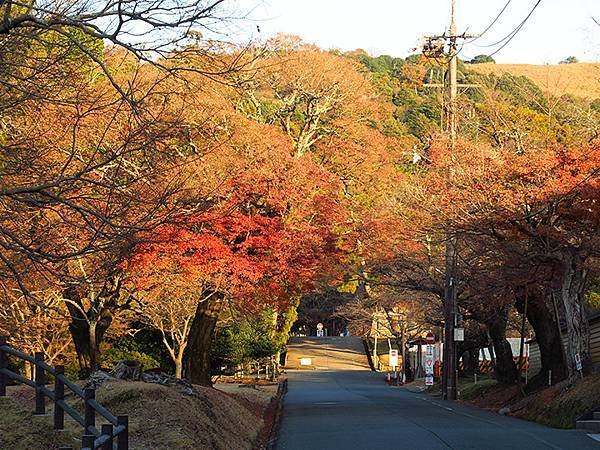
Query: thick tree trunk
[87, 331]
[91, 316]
[578, 330]
[541, 318]
[197, 355]
[505, 368]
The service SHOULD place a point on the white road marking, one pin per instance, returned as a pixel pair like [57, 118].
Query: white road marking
[595, 437]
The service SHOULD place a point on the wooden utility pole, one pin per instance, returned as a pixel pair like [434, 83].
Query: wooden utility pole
[452, 77]
[446, 46]
[449, 282]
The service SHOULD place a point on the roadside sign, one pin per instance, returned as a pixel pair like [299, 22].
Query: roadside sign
[459, 334]
[578, 364]
[429, 351]
[430, 338]
[429, 380]
[319, 326]
[393, 358]
[429, 366]
[319, 333]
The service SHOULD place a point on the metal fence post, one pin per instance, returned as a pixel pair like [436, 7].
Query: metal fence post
[88, 441]
[123, 436]
[107, 429]
[3, 365]
[59, 395]
[90, 413]
[40, 381]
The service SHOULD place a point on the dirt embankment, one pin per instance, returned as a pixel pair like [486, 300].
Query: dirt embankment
[160, 417]
[556, 406]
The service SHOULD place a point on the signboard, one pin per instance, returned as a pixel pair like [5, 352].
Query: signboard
[429, 380]
[578, 362]
[459, 334]
[430, 338]
[305, 361]
[429, 366]
[393, 358]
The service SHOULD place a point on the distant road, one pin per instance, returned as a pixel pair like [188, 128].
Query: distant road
[355, 409]
[333, 353]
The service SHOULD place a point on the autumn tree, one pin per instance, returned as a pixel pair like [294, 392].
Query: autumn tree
[538, 213]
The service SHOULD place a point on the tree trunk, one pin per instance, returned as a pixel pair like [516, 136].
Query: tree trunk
[87, 332]
[541, 318]
[505, 368]
[578, 330]
[470, 361]
[178, 367]
[197, 355]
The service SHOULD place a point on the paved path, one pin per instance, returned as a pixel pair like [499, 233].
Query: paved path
[349, 410]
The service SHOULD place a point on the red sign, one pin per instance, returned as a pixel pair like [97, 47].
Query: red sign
[430, 338]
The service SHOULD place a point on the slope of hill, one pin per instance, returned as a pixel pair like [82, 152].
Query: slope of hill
[580, 79]
[329, 353]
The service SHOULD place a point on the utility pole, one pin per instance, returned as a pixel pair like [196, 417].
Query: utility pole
[452, 77]
[435, 46]
[449, 282]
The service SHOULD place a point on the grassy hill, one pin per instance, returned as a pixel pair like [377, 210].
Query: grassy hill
[580, 79]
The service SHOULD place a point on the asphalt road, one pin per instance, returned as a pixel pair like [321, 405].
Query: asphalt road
[356, 410]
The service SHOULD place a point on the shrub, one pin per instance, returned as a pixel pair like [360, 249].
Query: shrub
[115, 354]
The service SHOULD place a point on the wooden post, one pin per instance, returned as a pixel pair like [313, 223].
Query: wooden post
[40, 381]
[3, 365]
[90, 413]
[107, 429]
[59, 394]
[123, 436]
[87, 442]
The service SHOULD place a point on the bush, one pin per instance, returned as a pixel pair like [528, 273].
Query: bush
[145, 342]
[244, 342]
[115, 354]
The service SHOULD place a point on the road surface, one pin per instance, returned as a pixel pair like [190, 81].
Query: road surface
[329, 353]
[354, 409]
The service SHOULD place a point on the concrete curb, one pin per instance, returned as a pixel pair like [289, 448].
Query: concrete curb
[274, 434]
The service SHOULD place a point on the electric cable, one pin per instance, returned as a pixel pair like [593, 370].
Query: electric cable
[493, 22]
[509, 37]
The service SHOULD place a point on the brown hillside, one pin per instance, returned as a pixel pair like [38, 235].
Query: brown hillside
[581, 79]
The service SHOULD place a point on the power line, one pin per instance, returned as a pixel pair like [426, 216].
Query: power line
[517, 29]
[510, 36]
[493, 22]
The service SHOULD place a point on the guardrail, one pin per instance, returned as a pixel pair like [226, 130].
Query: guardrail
[117, 427]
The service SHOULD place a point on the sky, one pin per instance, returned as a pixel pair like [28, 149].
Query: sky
[556, 30]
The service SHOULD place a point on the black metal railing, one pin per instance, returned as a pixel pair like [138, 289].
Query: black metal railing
[117, 428]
